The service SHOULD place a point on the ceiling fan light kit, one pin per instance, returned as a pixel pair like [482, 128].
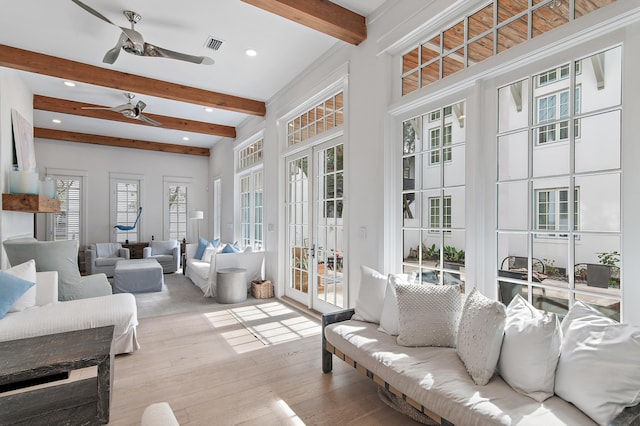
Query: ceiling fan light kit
[131, 41]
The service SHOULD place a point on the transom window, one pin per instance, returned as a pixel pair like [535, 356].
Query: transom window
[494, 28]
[250, 155]
[323, 117]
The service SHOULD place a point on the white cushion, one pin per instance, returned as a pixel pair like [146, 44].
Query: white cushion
[480, 335]
[598, 368]
[531, 339]
[429, 314]
[370, 299]
[208, 252]
[107, 249]
[390, 318]
[26, 271]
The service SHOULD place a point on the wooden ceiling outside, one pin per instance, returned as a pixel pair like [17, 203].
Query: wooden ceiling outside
[451, 52]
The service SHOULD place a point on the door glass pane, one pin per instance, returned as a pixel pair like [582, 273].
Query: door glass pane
[597, 267]
[599, 202]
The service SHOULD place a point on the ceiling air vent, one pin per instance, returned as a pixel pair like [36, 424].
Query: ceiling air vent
[213, 43]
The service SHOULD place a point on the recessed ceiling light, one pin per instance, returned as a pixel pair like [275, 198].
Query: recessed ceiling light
[55, 120]
[69, 84]
[209, 109]
[185, 138]
[251, 52]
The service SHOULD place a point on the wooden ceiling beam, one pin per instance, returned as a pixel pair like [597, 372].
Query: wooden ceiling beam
[63, 106]
[62, 135]
[321, 15]
[25, 60]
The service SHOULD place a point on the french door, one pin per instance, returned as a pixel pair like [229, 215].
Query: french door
[315, 226]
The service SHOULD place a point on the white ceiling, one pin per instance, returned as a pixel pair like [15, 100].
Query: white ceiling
[61, 28]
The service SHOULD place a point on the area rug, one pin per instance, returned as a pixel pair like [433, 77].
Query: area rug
[404, 407]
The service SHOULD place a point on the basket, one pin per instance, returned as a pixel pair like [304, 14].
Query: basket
[262, 289]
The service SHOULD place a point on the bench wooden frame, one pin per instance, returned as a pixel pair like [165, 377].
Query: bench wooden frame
[328, 350]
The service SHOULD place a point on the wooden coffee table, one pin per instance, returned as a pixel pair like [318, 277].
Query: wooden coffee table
[77, 402]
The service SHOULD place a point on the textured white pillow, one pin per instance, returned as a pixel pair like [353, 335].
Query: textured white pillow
[598, 367]
[389, 318]
[480, 336]
[370, 299]
[531, 340]
[429, 314]
[26, 271]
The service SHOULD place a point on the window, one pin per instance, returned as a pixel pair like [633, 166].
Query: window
[251, 210]
[434, 213]
[574, 187]
[126, 190]
[319, 119]
[433, 236]
[177, 208]
[251, 155]
[67, 223]
[494, 28]
[552, 211]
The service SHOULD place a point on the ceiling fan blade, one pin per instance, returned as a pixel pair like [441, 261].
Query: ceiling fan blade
[122, 108]
[134, 36]
[151, 50]
[147, 120]
[92, 11]
[111, 56]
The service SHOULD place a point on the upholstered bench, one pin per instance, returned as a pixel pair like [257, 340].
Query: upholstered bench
[137, 276]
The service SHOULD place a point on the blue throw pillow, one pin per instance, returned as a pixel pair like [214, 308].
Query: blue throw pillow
[229, 249]
[215, 242]
[11, 289]
[202, 246]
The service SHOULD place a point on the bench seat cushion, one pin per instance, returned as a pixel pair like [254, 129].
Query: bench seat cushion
[436, 378]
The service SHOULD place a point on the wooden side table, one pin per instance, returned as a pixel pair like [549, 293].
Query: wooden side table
[135, 249]
[83, 401]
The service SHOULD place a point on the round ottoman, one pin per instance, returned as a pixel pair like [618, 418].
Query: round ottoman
[231, 285]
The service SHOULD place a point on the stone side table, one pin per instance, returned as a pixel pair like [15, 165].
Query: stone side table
[231, 285]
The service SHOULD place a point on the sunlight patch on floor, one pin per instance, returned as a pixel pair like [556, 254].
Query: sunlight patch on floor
[262, 324]
[284, 408]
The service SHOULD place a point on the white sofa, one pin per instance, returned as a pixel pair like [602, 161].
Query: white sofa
[204, 273]
[51, 316]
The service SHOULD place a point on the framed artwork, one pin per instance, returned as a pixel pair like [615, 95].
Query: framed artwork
[23, 142]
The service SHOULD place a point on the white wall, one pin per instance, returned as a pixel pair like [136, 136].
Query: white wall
[13, 94]
[98, 161]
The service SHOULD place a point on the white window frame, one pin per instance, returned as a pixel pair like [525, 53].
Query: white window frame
[81, 175]
[168, 182]
[114, 179]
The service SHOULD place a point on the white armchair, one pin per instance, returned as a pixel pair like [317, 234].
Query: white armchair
[167, 253]
[102, 257]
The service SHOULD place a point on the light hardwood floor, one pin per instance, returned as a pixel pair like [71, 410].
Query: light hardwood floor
[212, 371]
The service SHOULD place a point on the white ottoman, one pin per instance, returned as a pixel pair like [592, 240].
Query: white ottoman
[137, 276]
[231, 285]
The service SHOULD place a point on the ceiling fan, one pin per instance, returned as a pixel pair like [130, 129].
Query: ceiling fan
[131, 41]
[130, 110]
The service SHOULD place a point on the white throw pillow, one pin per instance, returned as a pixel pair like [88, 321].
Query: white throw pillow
[26, 271]
[370, 299]
[389, 318]
[208, 252]
[531, 340]
[480, 336]
[598, 368]
[429, 314]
